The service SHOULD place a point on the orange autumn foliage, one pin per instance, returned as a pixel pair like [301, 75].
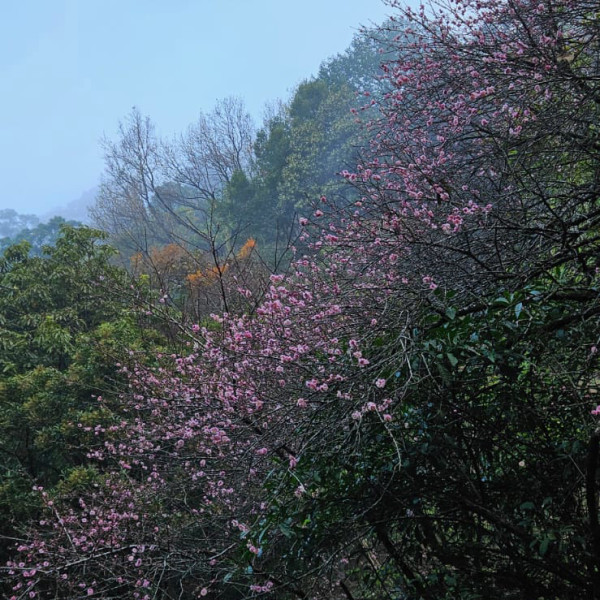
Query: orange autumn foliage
[247, 249]
[211, 274]
[207, 275]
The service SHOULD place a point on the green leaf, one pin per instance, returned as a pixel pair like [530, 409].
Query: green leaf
[453, 360]
[286, 530]
[518, 309]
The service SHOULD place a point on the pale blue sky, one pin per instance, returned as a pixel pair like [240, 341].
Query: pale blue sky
[71, 69]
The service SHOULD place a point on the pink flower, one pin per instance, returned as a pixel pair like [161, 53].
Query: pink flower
[311, 384]
[299, 491]
[380, 383]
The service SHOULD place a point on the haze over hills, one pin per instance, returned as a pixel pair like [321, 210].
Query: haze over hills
[75, 210]
[66, 88]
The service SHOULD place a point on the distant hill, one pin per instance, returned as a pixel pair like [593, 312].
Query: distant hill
[76, 210]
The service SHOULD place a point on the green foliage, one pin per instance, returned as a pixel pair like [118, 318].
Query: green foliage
[300, 152]
[65, 321]
[476, 484]
[323, 140]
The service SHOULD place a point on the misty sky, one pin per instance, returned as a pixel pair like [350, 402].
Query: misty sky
[71, 69]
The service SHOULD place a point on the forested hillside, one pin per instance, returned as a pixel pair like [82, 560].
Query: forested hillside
[351, 353]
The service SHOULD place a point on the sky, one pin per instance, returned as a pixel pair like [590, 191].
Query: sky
[70, 70]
